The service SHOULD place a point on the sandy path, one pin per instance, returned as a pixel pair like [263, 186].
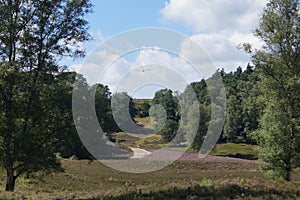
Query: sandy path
[139, 153]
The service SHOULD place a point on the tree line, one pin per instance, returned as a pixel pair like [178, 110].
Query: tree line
[243, 107]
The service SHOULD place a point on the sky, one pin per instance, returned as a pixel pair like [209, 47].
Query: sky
[218, 26]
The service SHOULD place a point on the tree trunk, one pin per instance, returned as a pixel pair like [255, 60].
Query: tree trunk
[288, 173]
[10, 180]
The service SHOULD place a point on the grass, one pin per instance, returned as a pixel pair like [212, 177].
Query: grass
[181, 180]
[243, 151]
[145, 121]
[149, 143]
[153, 142]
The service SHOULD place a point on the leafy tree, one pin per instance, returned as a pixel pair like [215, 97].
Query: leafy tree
[200, 89]
[34, 35]
[278, 64]
[143, 109]
[169, 130]
[204, 120]
[68, 142]
[103, 109]
[197, 113]
[209, 98]
[252, 106]
[233, 127]
[242, 107]
[165, 99]
[217, 107]
[123, 111]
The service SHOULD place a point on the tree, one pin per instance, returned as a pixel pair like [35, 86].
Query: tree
[252, 106]
[123, 111]
[200, 89]
[169, 130]
[233, 127]
[143, 109]
[278, 65]
[68, 143]
[34, 36]
[194, 110]
[165, 99]
[204, 120]
[103, 109]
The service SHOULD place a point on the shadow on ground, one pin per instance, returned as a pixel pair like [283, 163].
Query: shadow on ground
[242, 156]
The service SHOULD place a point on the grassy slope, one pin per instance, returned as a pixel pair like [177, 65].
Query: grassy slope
[145, 121]
[149, 143]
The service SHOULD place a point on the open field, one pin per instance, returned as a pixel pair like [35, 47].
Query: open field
[221, 175]
[211, 177]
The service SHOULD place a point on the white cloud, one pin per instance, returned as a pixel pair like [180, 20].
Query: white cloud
[158, 59]
[96, 65]
[151, 69]
[114, 73]
[154, 68]
[219, 27]
[222, 51]
[214, 15]
[238, 38]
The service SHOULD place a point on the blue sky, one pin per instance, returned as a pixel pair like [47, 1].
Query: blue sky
[218, 26]
[115, 16]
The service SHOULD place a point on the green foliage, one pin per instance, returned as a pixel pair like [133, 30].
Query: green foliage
[277, 146]
[169, 130]
[34, 36]
[243, 109]
[143, 109]
[244, 151]
[67, 142]
[123, 110]
[278, 64]
[103, 109]
[165, 99]
[204, 120]
[233, 126]
[197, 115]
[210, 98]
[206, 183]
[242, 106]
